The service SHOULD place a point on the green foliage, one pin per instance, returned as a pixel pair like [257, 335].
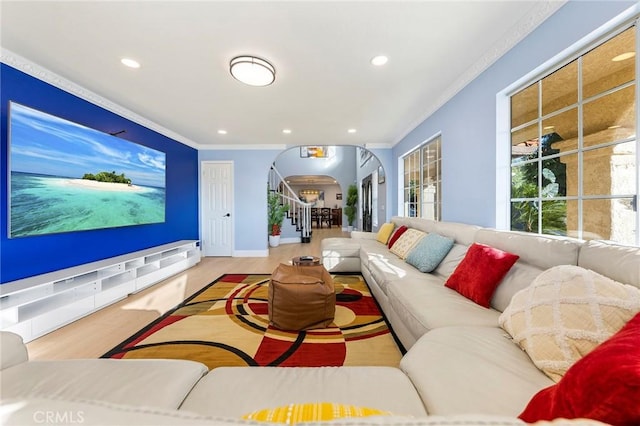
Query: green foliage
[275, 213]
[111, 177]
[524, 214]
[351, 208]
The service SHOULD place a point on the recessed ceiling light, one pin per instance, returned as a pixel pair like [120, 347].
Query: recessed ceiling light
[252, 71]
[222, 132]
[379, 60]
[131, 63]
[286, 131]
[352, 130]
[623, 56]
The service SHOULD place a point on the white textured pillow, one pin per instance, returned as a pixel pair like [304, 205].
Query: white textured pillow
[565, 313]
[406, 242]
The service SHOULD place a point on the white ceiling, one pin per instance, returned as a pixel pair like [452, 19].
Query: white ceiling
[321, 50]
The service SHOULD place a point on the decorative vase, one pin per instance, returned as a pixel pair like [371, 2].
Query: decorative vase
[274, 240]
[349, 228]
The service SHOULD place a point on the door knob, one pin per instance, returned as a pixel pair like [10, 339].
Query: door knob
[227, 215]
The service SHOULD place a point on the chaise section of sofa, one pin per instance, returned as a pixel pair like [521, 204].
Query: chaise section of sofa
[153, 383]
[468, 369]
[237, 391]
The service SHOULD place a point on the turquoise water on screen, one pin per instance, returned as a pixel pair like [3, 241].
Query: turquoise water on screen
[42, 204]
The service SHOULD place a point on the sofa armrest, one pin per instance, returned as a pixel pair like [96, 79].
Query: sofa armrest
[360, 235]
[12, 350]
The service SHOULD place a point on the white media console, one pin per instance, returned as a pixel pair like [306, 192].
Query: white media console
[34, 306]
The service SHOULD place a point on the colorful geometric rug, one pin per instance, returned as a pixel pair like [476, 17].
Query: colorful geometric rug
[227, 324]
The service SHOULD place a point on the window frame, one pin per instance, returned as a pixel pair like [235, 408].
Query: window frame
[418, 151]
[606, 32]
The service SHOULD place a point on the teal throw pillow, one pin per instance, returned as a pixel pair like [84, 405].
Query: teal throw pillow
[429, 252]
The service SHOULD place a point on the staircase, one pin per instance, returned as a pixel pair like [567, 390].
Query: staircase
[299, 212]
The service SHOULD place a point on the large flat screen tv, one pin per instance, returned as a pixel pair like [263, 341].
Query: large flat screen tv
[65, 177]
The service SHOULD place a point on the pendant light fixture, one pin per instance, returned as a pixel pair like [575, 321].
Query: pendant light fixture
[252, 71]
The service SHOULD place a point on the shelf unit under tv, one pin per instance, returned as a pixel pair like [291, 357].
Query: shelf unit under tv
[34, 306]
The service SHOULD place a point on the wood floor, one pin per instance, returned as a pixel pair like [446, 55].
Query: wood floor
[92, 336]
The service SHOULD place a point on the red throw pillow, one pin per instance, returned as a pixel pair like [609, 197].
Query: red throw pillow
[604, 385]
[480, 272]
[401, 230]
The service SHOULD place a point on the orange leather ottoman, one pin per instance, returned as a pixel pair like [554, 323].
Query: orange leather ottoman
[301, 297]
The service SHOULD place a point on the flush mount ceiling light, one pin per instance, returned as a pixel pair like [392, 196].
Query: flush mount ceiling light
[624, 56]
[252, 71]
[131, 63]
[379, 60]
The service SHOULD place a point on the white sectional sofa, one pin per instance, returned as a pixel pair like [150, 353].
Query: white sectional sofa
[461, 367]
[458, 358]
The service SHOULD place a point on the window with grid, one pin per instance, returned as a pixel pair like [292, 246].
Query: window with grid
[574, 151]
[423, 182]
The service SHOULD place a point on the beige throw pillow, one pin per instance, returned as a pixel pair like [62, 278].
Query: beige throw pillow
[565, 313]
[406, 242]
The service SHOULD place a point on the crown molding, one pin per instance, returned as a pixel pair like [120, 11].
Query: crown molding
[371, 146]
[22, 64]
[521, 29]
[243, 147]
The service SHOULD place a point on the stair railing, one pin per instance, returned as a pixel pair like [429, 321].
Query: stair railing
[299, 212]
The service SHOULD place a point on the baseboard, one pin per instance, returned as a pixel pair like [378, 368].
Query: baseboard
[250, 253]
[290, 240]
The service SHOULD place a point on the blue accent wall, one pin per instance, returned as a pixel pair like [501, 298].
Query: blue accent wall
[468, 121]
[27, 256]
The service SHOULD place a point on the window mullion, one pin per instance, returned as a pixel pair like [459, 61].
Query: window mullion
[580, 151]
[540, 156]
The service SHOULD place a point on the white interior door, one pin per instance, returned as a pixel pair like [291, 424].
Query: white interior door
[216, 183]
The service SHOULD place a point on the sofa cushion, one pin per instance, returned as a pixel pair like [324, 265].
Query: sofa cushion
[618, 262]
[342, 254]
[519, 277]
[12, 350]
[151, 383]
[565, 313]
[461, 233]
[466, 370]
[406, 242]
[52, 411]
[373, 250]
[429, 252]
[236, 391]
[388, 268]
[542, 251]
[537, 253]
[480, 272]
[340, 247]
[604, 385]
[425, 303]
[384, 233]
[397, 234]
[451, 261]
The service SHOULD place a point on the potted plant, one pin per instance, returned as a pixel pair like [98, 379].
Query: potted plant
[276, 212]
[351, 208]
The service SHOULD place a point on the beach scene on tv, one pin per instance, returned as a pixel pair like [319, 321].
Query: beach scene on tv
[66, 177]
